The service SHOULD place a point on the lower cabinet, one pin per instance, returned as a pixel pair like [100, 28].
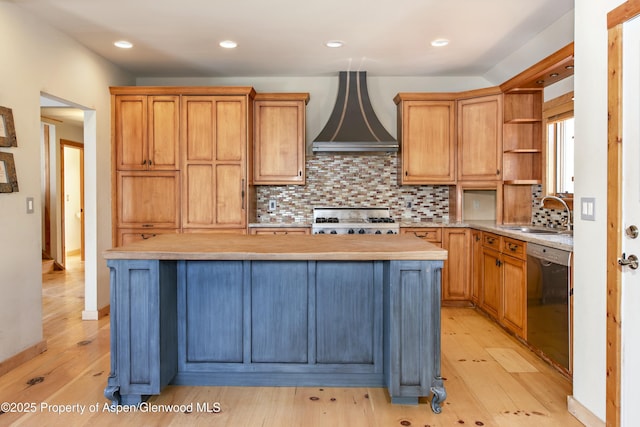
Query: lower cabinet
[503, 292]
[456, 284]
[456, 280]
[476, 266]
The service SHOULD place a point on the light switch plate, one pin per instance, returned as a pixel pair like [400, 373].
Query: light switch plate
[272, 205]
[30, 207]
[588, 208]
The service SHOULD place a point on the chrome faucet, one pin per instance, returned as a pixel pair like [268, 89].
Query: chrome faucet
[569, 223]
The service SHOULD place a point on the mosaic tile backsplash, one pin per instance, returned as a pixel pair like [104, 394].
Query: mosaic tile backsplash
[350, 180]
[543, 216]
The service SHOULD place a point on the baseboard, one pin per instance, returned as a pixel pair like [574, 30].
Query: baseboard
[583, 415]
[22, 357]
[96, 314]
[74, 252]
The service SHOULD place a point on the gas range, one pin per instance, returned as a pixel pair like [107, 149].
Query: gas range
[353, 221]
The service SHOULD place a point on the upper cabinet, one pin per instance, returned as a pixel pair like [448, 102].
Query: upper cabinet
[522, 137]
[147, 132]
[480, 138]
[426, 133]
[279, 138]
[214, 152]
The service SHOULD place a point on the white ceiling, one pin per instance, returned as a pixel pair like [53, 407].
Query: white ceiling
[179, 38]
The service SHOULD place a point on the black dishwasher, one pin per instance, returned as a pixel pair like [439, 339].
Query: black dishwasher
[548, 308]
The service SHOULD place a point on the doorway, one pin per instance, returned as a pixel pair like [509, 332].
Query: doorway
[72, 200]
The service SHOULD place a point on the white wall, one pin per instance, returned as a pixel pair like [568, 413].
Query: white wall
[39, 59]
[550, 40]
[590, 238]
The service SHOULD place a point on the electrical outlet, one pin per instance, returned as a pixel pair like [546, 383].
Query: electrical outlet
[272, 205]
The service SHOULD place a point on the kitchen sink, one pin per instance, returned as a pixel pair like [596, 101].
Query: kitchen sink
[536, 230]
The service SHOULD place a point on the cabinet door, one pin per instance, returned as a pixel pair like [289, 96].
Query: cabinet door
[279, 142]
[514, 295]
[164, 132]
[480, 138]
[455, 275]
[214, 138]
[148, 199]
[492, 282]
[476, 265]
[130, 132]
[426, 133]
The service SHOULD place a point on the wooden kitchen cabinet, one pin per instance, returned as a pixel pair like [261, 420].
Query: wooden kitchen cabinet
[504, 282]
[279, 138]
[126, 235]
[180, 160]
[430, 234]
[214, 157]
[426, 133]
[480, 138]
[147, 132]
[476, 266]
[456, 289]
[280, 230]
[491, 282]
[148, 200]
[522, 137]
[456, 272]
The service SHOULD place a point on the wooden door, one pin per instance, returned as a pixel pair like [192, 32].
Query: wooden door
[514, 295]
[279, 142]
[426, 133]
[130, 127]
[491, 281]
[148, 200]
[455, 274]
[476, 265]
[214, 138]
[164, 132]
[480, 138]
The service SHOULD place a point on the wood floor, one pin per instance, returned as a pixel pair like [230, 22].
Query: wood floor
[491, 380]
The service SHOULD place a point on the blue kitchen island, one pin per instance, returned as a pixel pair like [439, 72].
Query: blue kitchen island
[276, 310]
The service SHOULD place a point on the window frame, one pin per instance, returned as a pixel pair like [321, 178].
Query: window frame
[554, 110]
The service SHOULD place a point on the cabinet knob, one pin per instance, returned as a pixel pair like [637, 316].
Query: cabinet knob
[497, 171]
[299, 173]
[406, 173]
[144, 162]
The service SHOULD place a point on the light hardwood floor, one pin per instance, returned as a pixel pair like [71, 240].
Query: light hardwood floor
[491, 380]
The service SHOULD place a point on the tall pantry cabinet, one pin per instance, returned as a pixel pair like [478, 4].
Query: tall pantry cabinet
[180, 157]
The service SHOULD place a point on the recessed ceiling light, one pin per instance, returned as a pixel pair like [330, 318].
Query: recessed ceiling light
[540, 82]
[439, 42]
[123, 44]
[334, 43]
[554, 75]
[569, 67]
[228, 44]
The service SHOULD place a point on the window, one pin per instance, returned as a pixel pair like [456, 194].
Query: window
[559, 122]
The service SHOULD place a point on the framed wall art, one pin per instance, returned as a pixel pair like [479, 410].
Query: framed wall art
[8, 178]
[7, 129]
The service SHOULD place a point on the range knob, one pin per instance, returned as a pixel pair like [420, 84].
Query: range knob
[334, 232]
[390, 232]
[361, 231]
[378, 232]
[320, 232]
[351, 231]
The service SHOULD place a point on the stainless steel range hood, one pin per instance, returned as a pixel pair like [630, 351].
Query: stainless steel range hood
[353, 125]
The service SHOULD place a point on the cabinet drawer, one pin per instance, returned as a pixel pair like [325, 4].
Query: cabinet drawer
[279, 230]
[433, 234]
[514, 248]
[490, 240]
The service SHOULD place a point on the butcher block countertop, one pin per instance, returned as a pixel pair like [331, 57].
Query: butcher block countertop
[279, 247]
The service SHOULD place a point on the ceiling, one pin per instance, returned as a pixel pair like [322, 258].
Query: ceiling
[286, 37]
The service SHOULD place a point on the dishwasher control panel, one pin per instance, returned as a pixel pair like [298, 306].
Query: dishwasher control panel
[557, 256]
